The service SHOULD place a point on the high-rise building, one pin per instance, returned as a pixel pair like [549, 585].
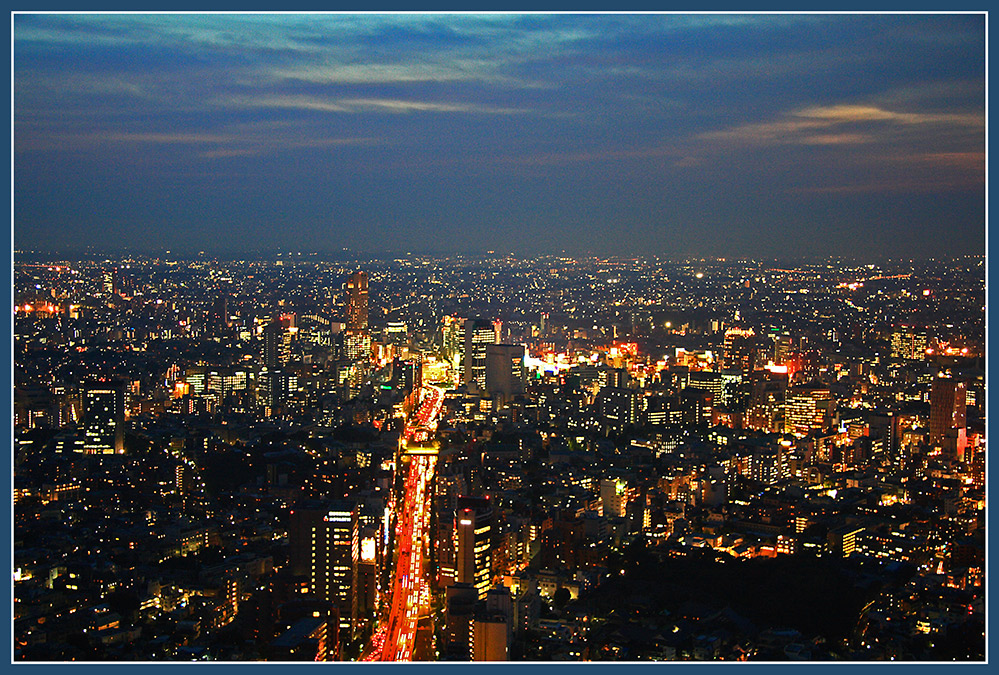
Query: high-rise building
[302, 522]
[739, 350]
[807, 408]
[478, 334]
[505, 373]
[219, 315]
[396, 332]
[407, 375]
[332, 565]
[364, 597]
[273, 341]
[104, 417]
[618, 406]
[709, 381]
[473, 533]
[459, 621]
[453, 337]
[493, 626]
[278, 337]
[357, 301]
[842, 541]
[909, 343]
[357, 339]
[357, 344]
[948, 415]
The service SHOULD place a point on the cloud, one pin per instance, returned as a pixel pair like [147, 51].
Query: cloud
[390, 105]
[398, 105]
[839, 114]
[805, 126]
[835, 139]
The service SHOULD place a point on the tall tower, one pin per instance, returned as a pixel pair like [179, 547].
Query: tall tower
[273, 341]
[357, 341]
[357, 301]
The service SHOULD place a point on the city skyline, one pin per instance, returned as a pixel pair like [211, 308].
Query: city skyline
[497, 459]
[730, 135]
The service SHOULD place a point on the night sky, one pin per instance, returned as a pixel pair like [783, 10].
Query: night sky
[672, 135]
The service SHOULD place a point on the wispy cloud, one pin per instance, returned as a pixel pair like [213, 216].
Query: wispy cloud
[806, 126]
[839, 114]
[388, 105]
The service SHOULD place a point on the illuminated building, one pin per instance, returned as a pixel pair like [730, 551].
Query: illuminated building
[472, 535]
[332, 563]
[766, 401]
[739, 350]
[407, 375]
[708, 381]
[357, 339]
[478, 334]
[104, 417]
[613, 497]
[275, 382]
[308, 639]
[783, 348]
[364, 595]
[396, 332]
[301, 523]
[807, 408]
[357, 301]
[453, 334]
[504, 371]
[662, 410]
[842, 540]
[278, 335]
[948, 413]
[449, 487]
[909, 343]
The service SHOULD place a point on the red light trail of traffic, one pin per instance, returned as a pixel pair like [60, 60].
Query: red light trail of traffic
[395, 637]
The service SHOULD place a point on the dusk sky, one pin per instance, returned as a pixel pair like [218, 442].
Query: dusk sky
[673, 135]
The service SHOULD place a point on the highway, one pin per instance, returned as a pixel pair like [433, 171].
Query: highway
[395, 637]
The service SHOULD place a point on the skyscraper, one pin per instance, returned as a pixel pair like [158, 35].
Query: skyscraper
[332, 565]
[478, 334]
[273, 333]
[357, 301]
[473, 532]
[357, 340]
[739, 350]
[909, 343]
[453, 337]
[104, 417]
[218, 317]
[948, 415]
[806, 408]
